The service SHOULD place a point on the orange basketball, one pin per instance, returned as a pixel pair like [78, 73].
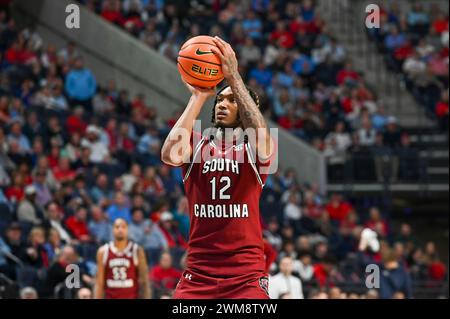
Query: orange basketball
[198, 65]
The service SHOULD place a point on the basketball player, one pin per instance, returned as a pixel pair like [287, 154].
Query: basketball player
[122, 271]
[223, 183]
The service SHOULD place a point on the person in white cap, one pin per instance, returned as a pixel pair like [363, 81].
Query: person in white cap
[99, 151]
[27, 210]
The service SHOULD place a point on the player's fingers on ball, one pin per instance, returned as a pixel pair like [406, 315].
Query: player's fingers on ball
[217, 52]
[220, 43]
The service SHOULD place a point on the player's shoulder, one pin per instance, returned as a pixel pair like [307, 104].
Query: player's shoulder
[103, 249]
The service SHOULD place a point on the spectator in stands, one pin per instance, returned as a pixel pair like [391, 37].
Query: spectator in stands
[442, 110]
[57, 273]
[163, 275]
[43, 192]
[394, 278]
[376, 222]
[303, 267]
[408, 156]
[119, 208]
[77, 224]
[17, 137]
[366, 134]
[28, 293]
[99, 227]
[171, 232]
[36, 254]
[53, 245]
[181, 216]
[27, 210]
[84, 293]
[394, 39]
[98, 150]
[55, 216]
[146, 233]
[285, 282]
[81, 85]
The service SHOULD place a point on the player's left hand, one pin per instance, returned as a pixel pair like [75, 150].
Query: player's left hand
[227, 56]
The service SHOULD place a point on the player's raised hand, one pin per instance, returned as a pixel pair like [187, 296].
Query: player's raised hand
[200, 92]
[227, 56]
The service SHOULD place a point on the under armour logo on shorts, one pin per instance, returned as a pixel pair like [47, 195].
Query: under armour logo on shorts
[188, 276]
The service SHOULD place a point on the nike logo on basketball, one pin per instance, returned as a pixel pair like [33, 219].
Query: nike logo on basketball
[199, 52]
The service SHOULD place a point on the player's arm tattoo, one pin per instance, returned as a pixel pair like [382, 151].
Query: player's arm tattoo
[144, 284]
[251, 116]
[249, 112]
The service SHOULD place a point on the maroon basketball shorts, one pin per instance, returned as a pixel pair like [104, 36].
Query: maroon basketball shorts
[193, 285]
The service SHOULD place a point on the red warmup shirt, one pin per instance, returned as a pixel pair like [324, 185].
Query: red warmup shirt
[75, 125]
[442, 109]
[338, 212]
[223, 189]
[165, 278]
[15, 193]
[343, 75]
[76, 227]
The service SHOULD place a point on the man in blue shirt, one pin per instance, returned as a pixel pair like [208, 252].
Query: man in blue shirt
[119, 209]
[261, 74]
[16, 136]
[252, 25]
[394, 39]
[80, 84]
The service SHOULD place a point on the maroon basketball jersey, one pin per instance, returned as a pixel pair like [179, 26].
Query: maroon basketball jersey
[121, 274]
[223, 188]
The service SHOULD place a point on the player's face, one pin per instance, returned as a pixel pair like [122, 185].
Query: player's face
[226, 111]
[120, 230]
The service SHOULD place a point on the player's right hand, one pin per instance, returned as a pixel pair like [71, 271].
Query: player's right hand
[200, 92]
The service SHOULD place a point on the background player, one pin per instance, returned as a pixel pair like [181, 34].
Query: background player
[225, 255]
[122, 271]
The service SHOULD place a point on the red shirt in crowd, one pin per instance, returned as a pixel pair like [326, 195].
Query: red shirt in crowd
[78, 228]
[442, 109]
[440, 26]
[344, 75]
[112, 16]
[270, 254]
[284, 38]
[165, 278]
[338, 210]
[174, 238]
[14, 193]
[63, 175]
[75, 125]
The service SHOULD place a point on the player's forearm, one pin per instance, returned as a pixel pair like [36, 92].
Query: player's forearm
[251, 116]
[98, 291]
[249, 112]
[182, 130]
[144, 289]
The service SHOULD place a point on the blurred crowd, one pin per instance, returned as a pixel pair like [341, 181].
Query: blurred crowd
[76, 154]
[415, 45]
[305, 80]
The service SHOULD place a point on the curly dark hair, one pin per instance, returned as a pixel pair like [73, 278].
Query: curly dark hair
[252, 93]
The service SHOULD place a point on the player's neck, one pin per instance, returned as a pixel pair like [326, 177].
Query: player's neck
[228, 135]
[121, 244]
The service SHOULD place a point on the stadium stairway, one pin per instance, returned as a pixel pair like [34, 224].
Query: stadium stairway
[346, 21]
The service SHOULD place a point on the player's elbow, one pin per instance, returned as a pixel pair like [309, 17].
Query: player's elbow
[170, 157]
